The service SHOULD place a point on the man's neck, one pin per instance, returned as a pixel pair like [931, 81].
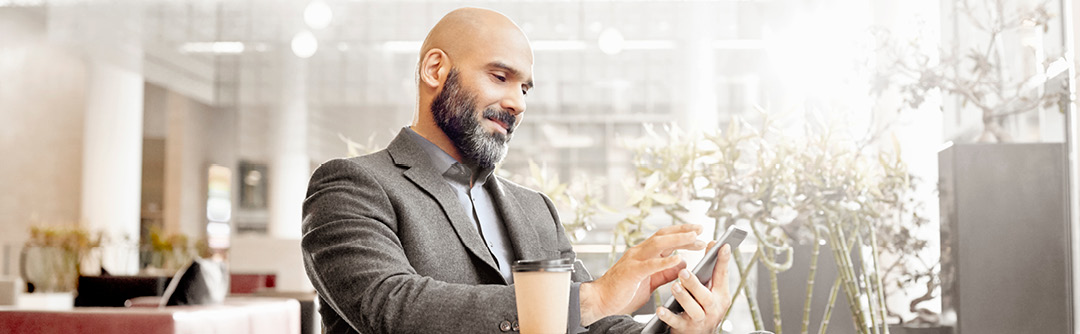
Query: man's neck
[436, 136]
[430, 131]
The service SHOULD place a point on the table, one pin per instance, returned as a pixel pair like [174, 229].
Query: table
[235, 315]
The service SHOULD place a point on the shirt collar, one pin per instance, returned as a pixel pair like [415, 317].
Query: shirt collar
[443, 162]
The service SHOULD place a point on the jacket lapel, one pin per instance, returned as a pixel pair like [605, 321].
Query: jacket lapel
[522, 235]
[410, 155]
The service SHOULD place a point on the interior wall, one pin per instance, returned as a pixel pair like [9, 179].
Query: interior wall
[153, 175]
[197, 135]
[153, 178]
[42, 102]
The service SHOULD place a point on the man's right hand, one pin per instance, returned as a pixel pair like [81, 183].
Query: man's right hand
[629, 283]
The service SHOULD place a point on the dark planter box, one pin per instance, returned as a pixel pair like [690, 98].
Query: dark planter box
[1005, 238]
[893, 329]
[792, 288]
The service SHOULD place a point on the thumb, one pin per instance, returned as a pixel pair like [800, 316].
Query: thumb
[719, 283]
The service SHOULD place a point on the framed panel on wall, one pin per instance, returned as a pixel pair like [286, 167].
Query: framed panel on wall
[253, 185]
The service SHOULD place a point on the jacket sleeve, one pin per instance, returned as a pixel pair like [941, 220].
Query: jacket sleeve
[360, 270]
[610, 324]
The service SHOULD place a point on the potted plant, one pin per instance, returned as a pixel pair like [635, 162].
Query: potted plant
[1000, 198]
[165, 253]
[51, 259]
[832, 194]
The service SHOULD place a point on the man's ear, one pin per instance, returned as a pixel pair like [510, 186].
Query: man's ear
[434, 68]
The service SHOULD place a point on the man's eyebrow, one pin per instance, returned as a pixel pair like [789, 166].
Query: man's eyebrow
[511, 71]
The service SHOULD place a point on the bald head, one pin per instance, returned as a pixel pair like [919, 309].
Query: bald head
[465, 32]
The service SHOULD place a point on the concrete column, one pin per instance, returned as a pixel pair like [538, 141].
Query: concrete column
[112, 163]
[697, 101]
[289, 163]
[108, 37]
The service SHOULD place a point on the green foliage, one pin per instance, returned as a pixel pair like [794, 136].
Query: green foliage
[357, 149]
[171, 251]
[664, 175]
[821, 188]
[582, 200]
[69, 238]
[982, 76]
[58, 252]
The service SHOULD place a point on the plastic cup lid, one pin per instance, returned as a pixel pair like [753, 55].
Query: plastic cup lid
[554, 265]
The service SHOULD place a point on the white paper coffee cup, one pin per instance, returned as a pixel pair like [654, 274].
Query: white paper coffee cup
[542, 289]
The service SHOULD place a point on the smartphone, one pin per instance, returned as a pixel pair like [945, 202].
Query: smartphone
[704, 270]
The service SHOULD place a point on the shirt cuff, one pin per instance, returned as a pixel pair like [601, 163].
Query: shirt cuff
[573, 319]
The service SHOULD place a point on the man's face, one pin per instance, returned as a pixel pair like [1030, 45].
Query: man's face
[481, 136]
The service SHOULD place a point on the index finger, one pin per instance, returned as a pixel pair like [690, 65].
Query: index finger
[673, 229]
[663, 245]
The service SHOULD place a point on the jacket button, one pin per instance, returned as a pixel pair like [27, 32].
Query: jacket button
[504, 326]
[515, 326]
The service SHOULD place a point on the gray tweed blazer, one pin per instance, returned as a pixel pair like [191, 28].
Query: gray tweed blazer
[390, 250]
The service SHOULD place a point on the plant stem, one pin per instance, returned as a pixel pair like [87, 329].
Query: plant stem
[775, 289]
[877, 279]
[841, 252]
[614, 248]
[743, 273]
[870, 300]
[751, 300]
[815, 250]
[829, 307]
[656, 299]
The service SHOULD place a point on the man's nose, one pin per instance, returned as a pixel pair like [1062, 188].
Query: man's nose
[514, 102]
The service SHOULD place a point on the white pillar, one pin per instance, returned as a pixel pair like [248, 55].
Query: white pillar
[112, 163]
[698, 103]
[113, 123]
[289, 164]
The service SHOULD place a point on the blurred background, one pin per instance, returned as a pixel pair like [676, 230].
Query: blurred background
[184, 127]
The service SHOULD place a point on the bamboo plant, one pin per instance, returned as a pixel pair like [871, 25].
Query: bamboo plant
[822, 189]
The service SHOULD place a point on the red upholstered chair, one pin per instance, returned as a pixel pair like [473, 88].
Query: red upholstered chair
[244, 283]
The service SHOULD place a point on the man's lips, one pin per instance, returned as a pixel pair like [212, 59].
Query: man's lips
[505, 128]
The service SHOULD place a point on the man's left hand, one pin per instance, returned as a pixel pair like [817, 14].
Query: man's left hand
[703, 307]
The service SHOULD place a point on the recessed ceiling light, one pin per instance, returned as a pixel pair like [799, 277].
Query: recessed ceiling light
[610, 41]
[304, 44]
[318, 14]
[213, 47]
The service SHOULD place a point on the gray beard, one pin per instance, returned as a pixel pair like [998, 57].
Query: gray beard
[454, 113]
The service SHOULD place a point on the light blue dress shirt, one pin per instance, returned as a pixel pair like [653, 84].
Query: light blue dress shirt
[476, 200]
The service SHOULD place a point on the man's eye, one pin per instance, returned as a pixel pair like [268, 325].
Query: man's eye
[501, 78]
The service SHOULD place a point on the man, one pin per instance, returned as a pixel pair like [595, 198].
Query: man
[419, 237]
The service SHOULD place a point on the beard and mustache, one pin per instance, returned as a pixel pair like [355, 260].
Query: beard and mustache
[455, 113]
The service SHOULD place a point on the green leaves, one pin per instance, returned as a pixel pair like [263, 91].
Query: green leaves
[357, 149]
[979, 69]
